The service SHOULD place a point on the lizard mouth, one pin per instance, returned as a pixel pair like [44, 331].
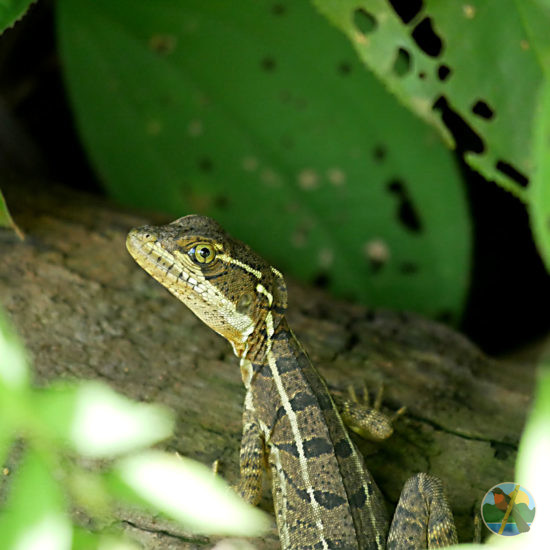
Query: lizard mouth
[174, 270]
[161, 264]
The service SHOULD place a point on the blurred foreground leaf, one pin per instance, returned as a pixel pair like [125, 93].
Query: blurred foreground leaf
[14, 370]
[210, 505]
[34, 515]
[101, 423]
[48, 483]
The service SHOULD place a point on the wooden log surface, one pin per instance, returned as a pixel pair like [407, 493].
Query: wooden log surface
[85, 310]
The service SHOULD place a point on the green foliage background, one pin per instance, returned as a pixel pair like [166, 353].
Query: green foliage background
[260, 115]
[333, 163]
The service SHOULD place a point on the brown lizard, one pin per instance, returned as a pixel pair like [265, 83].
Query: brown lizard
[324, 496]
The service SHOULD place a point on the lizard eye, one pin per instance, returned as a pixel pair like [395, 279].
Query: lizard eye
[202, 253]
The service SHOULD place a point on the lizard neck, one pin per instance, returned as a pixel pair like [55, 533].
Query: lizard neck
[261, 339]
[260, 345]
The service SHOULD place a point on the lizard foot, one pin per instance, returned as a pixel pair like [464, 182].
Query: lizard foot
[365, 419]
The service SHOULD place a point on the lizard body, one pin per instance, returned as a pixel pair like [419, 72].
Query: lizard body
[324, 496]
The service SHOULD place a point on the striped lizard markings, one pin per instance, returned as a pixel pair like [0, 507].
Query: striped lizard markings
[324, 496]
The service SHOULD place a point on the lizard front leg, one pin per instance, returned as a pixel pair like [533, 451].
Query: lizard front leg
[365, 419]
[423, 518]
[252, 459]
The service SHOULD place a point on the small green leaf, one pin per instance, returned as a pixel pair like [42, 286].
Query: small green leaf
[106, 423]
[189, 492]
[11, 11]
[101, 423]
[5, 217]
[14, 369]
[34, 514]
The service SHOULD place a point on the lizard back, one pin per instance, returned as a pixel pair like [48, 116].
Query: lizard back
[324, 497]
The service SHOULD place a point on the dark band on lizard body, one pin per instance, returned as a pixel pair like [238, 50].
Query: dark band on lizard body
[324, 495]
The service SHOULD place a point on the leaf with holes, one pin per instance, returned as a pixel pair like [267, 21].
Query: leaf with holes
[259, 114]
[453, 65]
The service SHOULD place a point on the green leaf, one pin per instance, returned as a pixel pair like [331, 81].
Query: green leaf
[101, 423]
[540, 187]
[189, 492]
[34, 514]
[11, 11]
[14, 369]
[258, 114]
[5, 217]
[489, 74]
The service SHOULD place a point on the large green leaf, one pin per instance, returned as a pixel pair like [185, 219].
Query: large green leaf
[259, 114]
[485, 58]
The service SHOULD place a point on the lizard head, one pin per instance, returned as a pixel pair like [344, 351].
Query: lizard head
[222, 280]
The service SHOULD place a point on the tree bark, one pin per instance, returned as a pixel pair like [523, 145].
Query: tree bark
[85, 310]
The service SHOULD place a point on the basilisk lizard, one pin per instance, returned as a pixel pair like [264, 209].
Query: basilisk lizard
[324, 496]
